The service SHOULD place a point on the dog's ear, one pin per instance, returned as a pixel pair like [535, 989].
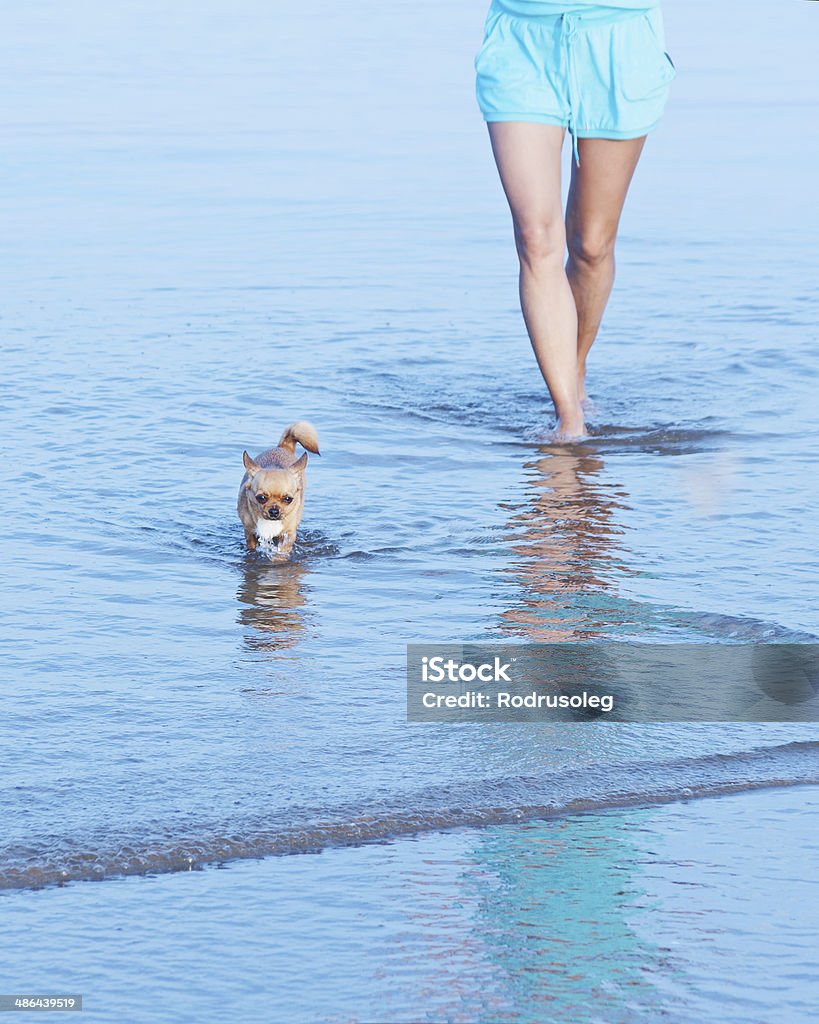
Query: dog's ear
[251, 466]
[300, 465]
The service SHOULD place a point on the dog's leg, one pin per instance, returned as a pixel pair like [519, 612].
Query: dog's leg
[250, 539]
[286, 545]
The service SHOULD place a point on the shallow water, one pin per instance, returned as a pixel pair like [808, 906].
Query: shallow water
[204, 242]
[697, 911]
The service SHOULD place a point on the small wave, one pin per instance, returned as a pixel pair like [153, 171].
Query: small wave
[651, 440]
[736, 628]
[661, 439]
[489, 802]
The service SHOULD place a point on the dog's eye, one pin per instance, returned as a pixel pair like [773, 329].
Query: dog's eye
[261, 498]
[287, 499]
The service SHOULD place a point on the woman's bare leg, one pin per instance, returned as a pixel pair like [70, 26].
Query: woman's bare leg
[528, 159]
[596, 198]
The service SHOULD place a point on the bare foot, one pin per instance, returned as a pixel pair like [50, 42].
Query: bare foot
[570, 426]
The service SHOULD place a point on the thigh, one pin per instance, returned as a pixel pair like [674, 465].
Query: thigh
[528, 160]
[599, 187]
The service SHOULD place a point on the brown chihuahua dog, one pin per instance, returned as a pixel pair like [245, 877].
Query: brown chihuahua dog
[271, 497]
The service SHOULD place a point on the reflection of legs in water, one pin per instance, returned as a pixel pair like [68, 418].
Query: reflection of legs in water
[566, 542]
[596, 198]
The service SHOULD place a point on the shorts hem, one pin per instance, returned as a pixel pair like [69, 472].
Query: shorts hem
[609, 133]
[582, 133]
[554, 119]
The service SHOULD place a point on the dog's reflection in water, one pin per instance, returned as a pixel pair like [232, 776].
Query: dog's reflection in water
[566, 541]
[271, 604]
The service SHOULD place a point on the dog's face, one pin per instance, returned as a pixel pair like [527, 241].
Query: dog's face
[273, 493]
[275, 496]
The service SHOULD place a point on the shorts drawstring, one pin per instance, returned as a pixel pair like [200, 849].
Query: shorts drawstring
[568, 32]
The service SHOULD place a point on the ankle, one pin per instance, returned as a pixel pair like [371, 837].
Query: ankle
[569, 410]
[570, 420]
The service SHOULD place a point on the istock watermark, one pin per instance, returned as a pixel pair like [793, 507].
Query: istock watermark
[439, 669]
[623, 682]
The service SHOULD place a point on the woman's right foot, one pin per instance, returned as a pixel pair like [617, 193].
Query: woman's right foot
[571, 426]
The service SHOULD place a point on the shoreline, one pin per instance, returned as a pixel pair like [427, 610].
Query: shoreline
[126, 859]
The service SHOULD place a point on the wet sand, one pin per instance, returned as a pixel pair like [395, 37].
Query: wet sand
[704, 910]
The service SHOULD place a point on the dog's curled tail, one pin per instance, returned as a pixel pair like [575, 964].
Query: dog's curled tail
[304, 433]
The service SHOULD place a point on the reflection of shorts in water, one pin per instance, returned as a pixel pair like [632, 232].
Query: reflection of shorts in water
[600, 71]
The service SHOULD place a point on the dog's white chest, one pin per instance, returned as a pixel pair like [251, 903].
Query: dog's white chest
[268, 529]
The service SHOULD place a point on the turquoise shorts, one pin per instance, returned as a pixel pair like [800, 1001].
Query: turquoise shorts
[600, 72]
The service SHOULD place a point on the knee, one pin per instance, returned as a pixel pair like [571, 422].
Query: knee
[591, 249]
[540, 241]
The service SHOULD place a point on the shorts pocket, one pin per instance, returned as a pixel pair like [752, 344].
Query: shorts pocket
[488, 30]
[644, 69]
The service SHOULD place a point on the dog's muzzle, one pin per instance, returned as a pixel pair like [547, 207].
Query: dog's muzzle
[274, 513]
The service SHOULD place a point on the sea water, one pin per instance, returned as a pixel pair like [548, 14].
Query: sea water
[221, 219]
